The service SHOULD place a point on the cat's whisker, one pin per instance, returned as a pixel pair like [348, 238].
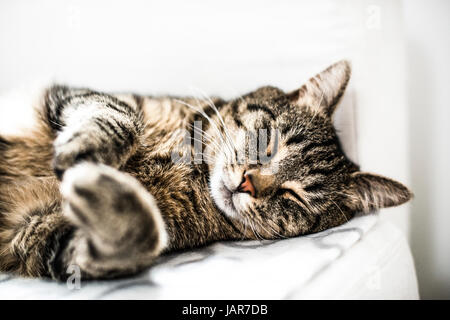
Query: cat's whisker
[244, 233]
[56, 124]
[260, 236]
[208, 159]
[212, 122]
[208, 137]
[254, 231]
[255, 220]
[201, 141]
[195, 128]
[267, 231]
[245, 230]
[200, 111]
[343, 214]
[225, 128]
[226, 139]
[272, 233]
[275, 232]
[206, 142]
[218, 125]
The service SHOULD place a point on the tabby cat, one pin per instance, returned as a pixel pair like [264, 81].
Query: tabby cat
[96, 185]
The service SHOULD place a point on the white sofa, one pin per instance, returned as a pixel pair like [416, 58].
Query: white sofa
[363, 259]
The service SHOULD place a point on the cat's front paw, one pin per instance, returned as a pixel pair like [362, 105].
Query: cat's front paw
[115, 211]
[69, 153]
[80, 147]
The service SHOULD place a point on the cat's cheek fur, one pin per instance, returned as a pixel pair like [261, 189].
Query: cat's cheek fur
[242, 201]
[219, 192]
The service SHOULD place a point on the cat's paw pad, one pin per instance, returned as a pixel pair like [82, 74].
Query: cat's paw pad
[112, 207]
[85, 200]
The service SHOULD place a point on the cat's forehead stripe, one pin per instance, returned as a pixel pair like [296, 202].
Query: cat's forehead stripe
[259, 107]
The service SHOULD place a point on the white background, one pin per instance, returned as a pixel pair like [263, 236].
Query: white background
[399, 52]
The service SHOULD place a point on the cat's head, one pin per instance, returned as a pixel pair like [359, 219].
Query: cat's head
[302, 182]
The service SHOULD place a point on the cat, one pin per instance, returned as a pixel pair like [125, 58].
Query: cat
[98, 184]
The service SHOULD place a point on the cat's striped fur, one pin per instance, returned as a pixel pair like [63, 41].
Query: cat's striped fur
[95, 184]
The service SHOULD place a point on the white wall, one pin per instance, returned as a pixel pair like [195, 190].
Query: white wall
[427, 26]
[380, 90]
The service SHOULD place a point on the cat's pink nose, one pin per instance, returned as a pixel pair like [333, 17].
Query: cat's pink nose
[247, 185]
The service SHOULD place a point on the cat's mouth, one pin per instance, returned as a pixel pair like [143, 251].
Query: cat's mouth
[224, 184]
[228, 201]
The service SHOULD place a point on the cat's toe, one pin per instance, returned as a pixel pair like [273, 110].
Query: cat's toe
[69, 154]
[81, 196]
[112, 206]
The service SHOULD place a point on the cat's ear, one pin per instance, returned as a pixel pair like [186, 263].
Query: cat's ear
[324, 90]
[367, 192]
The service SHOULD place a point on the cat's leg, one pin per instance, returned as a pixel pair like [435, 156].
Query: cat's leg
[32, 228]
[107, 225]
[119, 226]
[91, 126]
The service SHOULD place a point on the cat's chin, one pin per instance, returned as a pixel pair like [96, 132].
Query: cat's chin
[223, 197]
[228, 201]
